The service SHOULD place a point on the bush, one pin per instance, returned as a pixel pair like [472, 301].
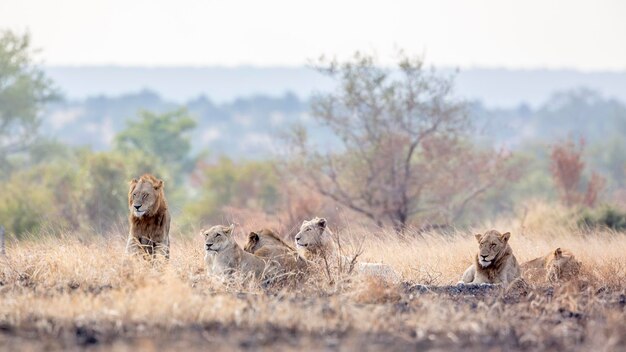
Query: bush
[42, 194]
[251, 185]
[103, 190]
[605, 217]
[567, 169]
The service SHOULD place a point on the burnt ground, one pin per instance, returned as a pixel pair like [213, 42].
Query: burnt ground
[583, 329]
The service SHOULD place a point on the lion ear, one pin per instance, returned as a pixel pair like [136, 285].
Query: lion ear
[230, 229]
[478, 237]
[159, 184]
[322, 223]
[558, 253]
[253, 236]
[505, 236]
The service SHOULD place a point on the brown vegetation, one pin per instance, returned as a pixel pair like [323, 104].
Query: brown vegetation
[68, 292]
[567, 170]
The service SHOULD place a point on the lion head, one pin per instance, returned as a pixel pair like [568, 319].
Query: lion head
[262, 238]
[218, 238]
[313, 238]
[490, 246]
[145, 196]
[562, 265]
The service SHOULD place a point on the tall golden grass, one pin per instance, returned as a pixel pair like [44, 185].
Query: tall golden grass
[63, 288]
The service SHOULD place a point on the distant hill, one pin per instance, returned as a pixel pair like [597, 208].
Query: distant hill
[242, 127]
[492, 87]
[246, 127]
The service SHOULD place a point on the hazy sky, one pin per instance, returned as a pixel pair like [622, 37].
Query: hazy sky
[587, 35]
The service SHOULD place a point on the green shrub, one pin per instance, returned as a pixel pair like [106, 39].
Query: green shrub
[42, 194]
[604, 217]
[241, 185]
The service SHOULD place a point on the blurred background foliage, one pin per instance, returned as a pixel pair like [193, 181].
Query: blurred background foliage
[474, 168]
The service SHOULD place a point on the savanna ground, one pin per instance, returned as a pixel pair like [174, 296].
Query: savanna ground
[72, 292]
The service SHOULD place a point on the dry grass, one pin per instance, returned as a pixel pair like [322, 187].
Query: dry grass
[68, 293]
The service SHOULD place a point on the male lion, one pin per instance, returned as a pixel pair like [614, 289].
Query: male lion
[314, 242]
[149, 218]
[495, 262]
[266, 244]
[560, 265]
[223, 255]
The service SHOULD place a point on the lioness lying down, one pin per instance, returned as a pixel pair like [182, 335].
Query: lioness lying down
[494, 262]
[315, 243]
[223, 256]
[559, 265]
[266, 244]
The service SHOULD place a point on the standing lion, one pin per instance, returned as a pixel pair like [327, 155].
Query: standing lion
[149, 218]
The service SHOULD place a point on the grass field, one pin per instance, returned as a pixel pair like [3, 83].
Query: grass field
[71, 292]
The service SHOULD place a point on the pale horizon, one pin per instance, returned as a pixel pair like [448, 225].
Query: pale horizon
[459, 34]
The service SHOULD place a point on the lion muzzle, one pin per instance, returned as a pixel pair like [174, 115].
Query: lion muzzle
[137, 211]
[483, 261]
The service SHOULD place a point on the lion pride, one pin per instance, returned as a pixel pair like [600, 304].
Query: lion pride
[149, 218]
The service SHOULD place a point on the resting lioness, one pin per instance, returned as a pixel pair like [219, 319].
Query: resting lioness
[224, 256]
[149, 218]
[560, 265]
[315, 243]
[495, 262]
[266, 244]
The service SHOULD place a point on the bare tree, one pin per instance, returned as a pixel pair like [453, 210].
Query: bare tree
[567, 166]
[401, 143]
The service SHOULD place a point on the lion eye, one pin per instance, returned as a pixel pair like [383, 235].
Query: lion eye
[134, 194]
[144, 196]
[493, 245]
[218, 235]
